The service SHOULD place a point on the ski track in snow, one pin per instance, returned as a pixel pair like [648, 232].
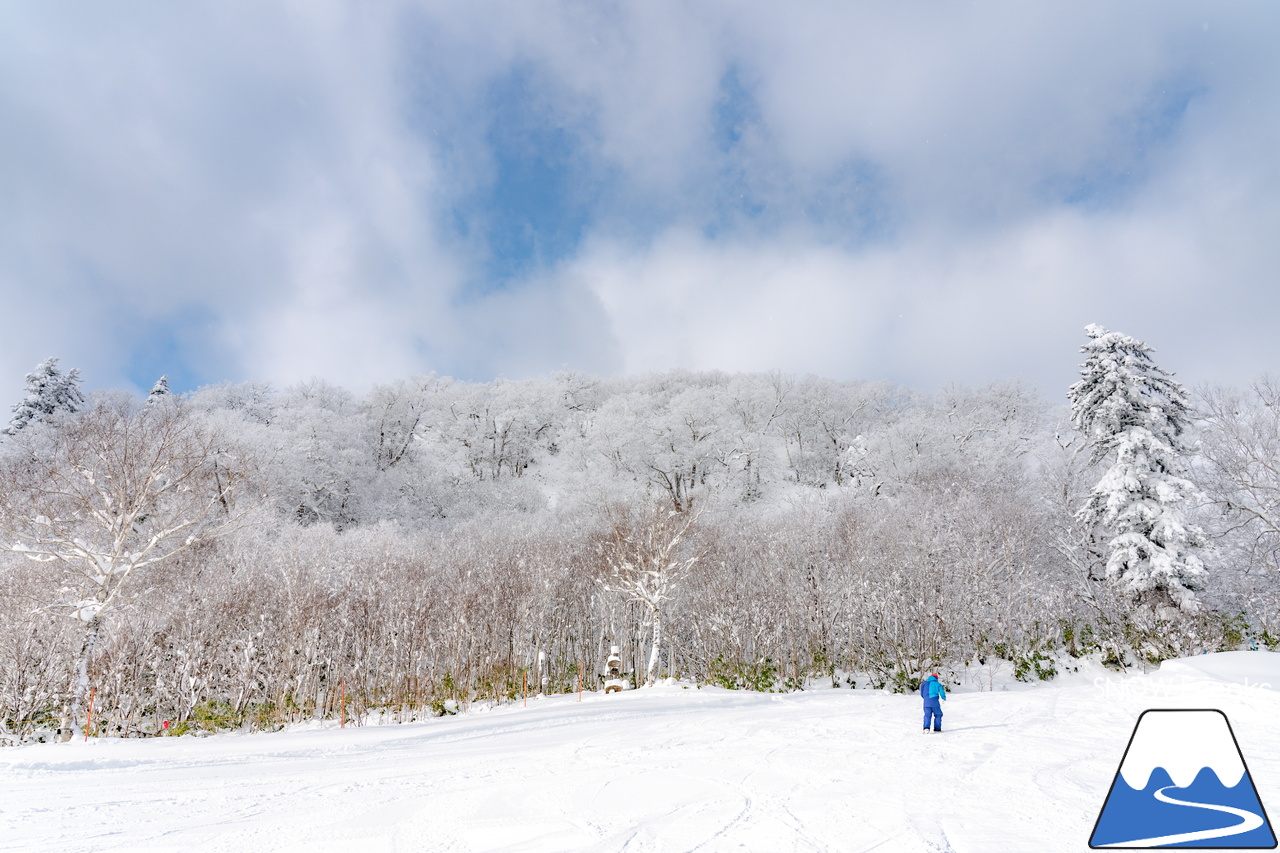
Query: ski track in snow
[661, 769]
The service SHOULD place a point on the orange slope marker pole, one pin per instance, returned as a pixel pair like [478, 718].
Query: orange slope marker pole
[89, 722]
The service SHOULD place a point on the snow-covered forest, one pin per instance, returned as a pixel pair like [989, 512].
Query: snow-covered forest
[245, 555]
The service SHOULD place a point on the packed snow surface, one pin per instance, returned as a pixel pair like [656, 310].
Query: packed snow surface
[671, 768]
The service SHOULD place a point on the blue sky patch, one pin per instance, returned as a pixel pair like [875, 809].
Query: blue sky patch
[172, 346]
[1139, 139]
[539, 204]
[736, 110]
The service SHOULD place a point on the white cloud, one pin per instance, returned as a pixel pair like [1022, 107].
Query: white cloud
[1012, 302]
[246, 163]
[289, 176]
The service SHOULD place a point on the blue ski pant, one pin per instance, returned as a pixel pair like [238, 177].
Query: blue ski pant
[933, 711]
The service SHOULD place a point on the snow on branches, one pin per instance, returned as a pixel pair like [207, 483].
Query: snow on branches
[108, 494]
[49, 391]
[646, 563]
[1134, 413]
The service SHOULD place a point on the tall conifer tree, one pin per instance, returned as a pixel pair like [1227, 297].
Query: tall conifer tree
[49, 391]
[1136, 414]
[159, 392]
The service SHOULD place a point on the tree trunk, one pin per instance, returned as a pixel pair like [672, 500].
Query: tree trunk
[657, 643]
[81, 685]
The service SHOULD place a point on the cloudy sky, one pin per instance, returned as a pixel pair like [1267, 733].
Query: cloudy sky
[925, 192]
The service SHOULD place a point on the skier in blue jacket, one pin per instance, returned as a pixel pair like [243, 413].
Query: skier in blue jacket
[934, 694]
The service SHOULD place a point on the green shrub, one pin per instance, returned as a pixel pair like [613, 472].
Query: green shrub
[761, 676]
[213, 715]
[1034, 665]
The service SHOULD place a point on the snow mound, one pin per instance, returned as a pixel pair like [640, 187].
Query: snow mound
[1253, 669]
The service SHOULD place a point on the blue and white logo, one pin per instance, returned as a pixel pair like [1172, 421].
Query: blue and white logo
[1183, 783]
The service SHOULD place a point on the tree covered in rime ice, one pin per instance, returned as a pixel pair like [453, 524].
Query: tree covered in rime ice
[106, 496]
[318, 455]
[432, 538]
[1135, 414]
[646, 563]
[160, 391]
[49, 391]
[1240, 466]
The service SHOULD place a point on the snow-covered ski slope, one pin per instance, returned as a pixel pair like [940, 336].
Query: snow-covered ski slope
[663, 769]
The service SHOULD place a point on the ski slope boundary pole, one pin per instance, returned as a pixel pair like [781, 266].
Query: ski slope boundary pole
[88, 724]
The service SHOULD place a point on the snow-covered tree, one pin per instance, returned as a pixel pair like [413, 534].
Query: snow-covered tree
[821, 422]
[1240, 457]
[751, 406]
[49, 391]
[107, 497]
[1135, 414]
[159, 392]
[250, 402]
[319, 460]
[646, 563]
[669, 437]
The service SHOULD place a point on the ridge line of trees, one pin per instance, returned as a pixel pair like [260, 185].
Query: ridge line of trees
[431, 540]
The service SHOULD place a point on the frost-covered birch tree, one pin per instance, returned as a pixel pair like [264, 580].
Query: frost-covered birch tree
[646, 563]
[1135, 414]
[107, 496]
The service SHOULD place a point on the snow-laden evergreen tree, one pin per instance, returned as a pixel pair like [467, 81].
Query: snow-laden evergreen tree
[1136, 414]
[159, 392]
[49, 391]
